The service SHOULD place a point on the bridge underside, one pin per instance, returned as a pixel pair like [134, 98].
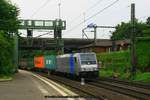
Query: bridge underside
[71, 44]
[49, 43]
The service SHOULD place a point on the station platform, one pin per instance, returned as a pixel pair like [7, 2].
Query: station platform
[27, 86]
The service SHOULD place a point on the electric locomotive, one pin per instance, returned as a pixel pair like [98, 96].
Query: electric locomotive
[79, 64]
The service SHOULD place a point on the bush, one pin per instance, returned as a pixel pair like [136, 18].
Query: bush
[9, 23]
[117, 62]
[143, 54]
[120, 62]
[106, 73]
[6, 55]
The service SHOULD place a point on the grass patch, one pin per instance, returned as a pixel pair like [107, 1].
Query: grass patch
[143, 77]
[110, 73]
[5, 77]
[105, 73]
[140, 77]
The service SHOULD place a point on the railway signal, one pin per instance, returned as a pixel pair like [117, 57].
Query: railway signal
[29, 33]
[56, 25]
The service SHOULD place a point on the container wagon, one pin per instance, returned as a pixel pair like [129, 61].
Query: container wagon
[78, 64]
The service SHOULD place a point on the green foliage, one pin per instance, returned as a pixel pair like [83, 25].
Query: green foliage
[144, 77]
[5, 77]
[8, 24]
[115, 63]
[105, 73]
[143, 53]
[123, 30]
[114, 59]
[148, 21]
[6, 53]
[8, 17]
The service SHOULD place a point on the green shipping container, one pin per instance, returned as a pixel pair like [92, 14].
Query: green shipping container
[50, 62]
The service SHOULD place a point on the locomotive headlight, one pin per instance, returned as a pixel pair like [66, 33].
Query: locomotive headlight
[95, 68]
[83, 69]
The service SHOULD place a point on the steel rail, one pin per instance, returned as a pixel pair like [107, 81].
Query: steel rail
[126, 89]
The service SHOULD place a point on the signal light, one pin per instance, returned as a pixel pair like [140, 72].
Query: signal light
[29, 33]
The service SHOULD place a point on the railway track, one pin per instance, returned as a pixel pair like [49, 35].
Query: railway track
[136, 90]
[90, 93]
[95, 88]
[137, 84]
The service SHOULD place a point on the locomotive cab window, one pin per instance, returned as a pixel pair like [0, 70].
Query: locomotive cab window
[88, 59]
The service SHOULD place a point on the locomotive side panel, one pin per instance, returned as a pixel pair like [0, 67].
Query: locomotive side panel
[63, 64]
[67, 64]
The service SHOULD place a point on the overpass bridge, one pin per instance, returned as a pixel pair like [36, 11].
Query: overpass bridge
[50, 43]
[69, 44]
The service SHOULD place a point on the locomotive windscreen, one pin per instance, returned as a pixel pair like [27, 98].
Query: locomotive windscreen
[88, 59]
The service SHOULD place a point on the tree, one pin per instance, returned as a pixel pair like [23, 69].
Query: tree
[9, 23]
[6, 55]
[123, 30]
[148, 21]
[147, 30]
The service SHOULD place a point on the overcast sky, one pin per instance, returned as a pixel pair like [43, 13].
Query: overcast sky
[75, 11]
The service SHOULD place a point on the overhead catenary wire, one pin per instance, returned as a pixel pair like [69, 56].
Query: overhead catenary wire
[88, 9]
[42, 6]
[76, 26]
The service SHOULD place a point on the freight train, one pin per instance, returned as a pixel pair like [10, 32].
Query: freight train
[77, 64]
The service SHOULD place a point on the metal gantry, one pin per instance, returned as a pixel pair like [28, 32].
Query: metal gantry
[94, 26]
[57, 25]
[42, 24]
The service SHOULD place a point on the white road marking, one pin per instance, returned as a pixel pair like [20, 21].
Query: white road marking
[55, 86]
[44, 92]
[62, 88]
